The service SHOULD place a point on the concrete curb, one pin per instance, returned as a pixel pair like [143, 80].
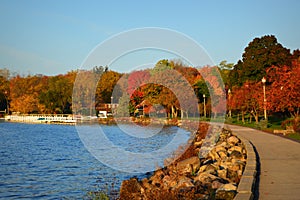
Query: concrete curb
[246, 186]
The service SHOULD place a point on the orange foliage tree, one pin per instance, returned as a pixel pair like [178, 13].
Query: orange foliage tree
[247, 99]
[25, 93]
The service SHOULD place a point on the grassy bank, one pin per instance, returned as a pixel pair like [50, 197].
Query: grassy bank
[273, 123]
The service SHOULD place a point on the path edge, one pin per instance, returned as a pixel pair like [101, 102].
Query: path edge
[247, 183]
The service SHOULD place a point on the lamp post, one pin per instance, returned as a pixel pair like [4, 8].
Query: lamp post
[143, 109]
[204, 106]
[263, 80]
[111, 103]
[229, 98]
[7, 106]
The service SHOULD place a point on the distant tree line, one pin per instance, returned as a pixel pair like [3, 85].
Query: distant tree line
[243, 87]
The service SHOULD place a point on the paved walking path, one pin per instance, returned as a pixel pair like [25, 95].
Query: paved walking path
[279, 164]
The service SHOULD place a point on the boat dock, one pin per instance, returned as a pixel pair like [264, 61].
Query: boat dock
[43, 118]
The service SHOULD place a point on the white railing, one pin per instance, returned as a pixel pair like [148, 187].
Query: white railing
[42, 118]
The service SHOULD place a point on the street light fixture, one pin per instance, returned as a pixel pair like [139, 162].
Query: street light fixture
[7, 105]
[204, 106]
[111, 104]
[229, 98]
[263, 80]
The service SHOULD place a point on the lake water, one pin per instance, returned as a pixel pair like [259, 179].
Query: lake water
[50, 161]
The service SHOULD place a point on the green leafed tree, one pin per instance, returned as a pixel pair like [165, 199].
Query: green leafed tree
[225, 69]
[162, 65]
[4, 89]
[106, 85]
[58, 96]
[260, 54]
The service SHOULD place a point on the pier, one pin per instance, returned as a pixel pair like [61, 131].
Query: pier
[43, 118]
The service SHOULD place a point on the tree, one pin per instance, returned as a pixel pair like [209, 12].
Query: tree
[125, 108]
[58, 96]
[162, 65]
[296, 55]
[106, 85]
[99, 70]
[284, 93]
[247, 99]
[225, 69]
[160, 92]
[238, 102]
[83, 96]
[216, 88]
[24, 93]
[259, 55]
[4, 89]
[136, 80]
[201, 88]
[191, 74]
[171, 89]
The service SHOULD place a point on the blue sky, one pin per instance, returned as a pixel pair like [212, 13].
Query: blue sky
[53, 37]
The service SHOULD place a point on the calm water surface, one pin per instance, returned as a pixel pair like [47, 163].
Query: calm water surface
[50, 161]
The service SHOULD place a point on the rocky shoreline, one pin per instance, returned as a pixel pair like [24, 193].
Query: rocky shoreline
[215, 175]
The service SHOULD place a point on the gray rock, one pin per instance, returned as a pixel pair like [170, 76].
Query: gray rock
[156, 179]
[226, 191]
[169, 181]
[202, 169]
[235, 148]
[222, 173]
[211, 169]
[130, 189]
[188, 166]
[216, 184]
[214, 155]
[233, 140]
[205, 178]
[220, 147]
[184, 182]
[223, 155]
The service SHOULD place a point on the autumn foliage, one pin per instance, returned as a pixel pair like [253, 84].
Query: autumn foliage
[284, 91]
[172, 85]
[265, 57]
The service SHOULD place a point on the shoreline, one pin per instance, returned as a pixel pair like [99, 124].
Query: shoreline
[190, 172]
[214, 176]
[72, 120]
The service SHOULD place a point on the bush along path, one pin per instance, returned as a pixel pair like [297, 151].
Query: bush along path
[215, 176]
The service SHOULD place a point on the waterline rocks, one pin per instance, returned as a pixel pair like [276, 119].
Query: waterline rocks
[215, 176]
[188, 166]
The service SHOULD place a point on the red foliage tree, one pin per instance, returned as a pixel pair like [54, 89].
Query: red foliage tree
[247, 98]
[284, 93]
[136, 79]
[136, 82]
[215, 84]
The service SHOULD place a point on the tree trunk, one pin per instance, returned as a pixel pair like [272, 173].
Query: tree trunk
[243, 117]
[256, 118]
[174, 112]
[255, 115]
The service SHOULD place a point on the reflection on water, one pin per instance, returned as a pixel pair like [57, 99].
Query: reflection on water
[50, 161]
